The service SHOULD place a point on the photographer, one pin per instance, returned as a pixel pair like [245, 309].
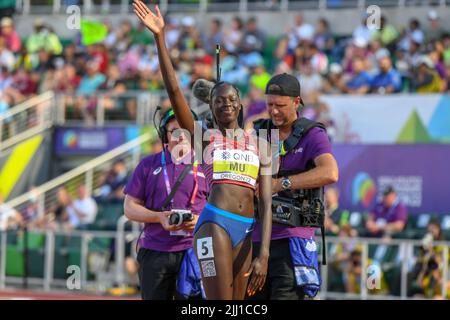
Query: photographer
[426, 276]
[166, 254]
[293, 268]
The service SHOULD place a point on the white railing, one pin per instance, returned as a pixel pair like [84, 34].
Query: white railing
[26, 120]
[112, 108]
[404, 260]
[26, 7]
[48, 281]
[46, 193]
[124, 238]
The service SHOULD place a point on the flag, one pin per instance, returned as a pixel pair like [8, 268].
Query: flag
[92, 32]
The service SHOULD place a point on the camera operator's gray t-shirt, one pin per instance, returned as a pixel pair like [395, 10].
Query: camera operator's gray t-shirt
[314, 144]
[147, 184]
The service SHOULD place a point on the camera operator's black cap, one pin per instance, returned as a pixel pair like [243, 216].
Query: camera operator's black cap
[283, 85]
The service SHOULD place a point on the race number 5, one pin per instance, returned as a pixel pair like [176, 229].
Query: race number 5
[205, 248]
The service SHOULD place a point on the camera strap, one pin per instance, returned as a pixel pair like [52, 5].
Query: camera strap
[171, 191]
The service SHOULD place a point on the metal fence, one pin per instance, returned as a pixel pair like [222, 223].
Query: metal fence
[94, 252]
[137, 107]
[26, 120]
[373, 253]
[26, 7]
[53, 260]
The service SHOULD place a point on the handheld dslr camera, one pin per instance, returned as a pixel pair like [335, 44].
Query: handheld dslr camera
[178, 216]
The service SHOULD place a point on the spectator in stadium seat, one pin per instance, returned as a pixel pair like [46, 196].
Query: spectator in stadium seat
[323, 38]
[388, 79]
[253, 40]
[334, 82]
[119, 40]
[310, 81]
[12, 38]
[6, 56]
[360, 81]
[413, 33]
[84, 209]
[213, 37]
[30, 214]
[447, 77]
[92, 80]
[57, 218]
[113, 182]
[9, 217]
[233, 35]
[319, 60]
[259, 76]
[256, 107]
[387, 33]
[301, 32]
[437, 58]
[189, 39]
[43, 37]
[336, 218]
[362, 31]
[435, 31]
[202, 69]
[426, 79]
[388, 216]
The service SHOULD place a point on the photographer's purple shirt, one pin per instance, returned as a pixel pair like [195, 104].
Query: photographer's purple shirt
[314, 144]
[147, 184]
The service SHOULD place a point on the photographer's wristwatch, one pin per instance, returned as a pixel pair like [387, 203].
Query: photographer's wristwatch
[286, 183]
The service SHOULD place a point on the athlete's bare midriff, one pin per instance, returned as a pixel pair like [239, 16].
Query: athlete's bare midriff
[232, 198]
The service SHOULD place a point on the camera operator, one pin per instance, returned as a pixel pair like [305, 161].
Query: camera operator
[293, 268]
[426, 276]
[166, 259]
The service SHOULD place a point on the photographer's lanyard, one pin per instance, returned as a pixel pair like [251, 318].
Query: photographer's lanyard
[167, 180]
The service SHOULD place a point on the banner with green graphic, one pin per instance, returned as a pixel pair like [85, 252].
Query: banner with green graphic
[388, 119]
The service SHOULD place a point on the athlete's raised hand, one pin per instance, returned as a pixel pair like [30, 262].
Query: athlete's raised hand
[154, 22]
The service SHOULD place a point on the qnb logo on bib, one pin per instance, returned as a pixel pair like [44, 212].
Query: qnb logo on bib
[226, 155]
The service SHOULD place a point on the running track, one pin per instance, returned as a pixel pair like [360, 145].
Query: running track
[33, 295]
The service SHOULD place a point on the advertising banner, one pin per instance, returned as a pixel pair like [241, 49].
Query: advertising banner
[419, 173]
[380, 119]
[87, 141]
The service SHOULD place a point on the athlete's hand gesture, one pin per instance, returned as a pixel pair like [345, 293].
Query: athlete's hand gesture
[154, 22]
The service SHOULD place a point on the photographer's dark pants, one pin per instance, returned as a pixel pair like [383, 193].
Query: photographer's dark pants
[280, 282]
[158, 272]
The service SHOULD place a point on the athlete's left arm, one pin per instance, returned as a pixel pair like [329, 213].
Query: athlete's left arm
[325, 172]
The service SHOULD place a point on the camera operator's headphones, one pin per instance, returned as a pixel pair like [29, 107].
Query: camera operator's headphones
[167, 116]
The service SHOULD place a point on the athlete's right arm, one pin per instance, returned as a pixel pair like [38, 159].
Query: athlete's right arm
[155, 23]
[135, 211]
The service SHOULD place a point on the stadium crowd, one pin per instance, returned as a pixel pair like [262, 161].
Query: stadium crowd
[415, 58]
